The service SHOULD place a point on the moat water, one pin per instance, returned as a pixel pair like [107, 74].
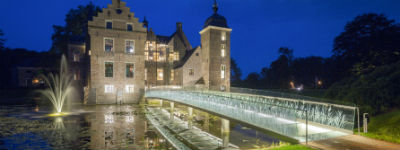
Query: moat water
[114, 127]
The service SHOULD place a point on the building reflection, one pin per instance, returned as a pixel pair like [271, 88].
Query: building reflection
[123, 127]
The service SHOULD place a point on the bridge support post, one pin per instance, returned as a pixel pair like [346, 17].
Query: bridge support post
[171, 104]
[190, 117]
[207, 122]
[225, 131]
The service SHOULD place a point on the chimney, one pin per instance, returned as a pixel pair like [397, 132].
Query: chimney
[179, 26]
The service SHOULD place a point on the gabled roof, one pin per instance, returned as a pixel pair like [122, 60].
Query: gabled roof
[185, 58]
[181, 36]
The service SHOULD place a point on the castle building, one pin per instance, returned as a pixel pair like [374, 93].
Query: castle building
[123, 57]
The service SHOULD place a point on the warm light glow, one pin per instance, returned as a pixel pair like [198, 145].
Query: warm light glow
[319, 82]
[58, 114]
[35, 81]
[160, 74]
[292, 84]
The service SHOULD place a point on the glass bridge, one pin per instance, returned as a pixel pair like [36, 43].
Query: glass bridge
[298, 119]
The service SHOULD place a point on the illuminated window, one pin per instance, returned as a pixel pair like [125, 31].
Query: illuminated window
[152, 46]
[146, 46]
[160, 74]
[76, 57]
[129, 27]
[145, 74]
[129, 46]
[171, 57]
[223, 36]
[109, 24]
[108, 44]
[129, 88]
[223, 68]
[222, 50]
[130, 70]
[191, 72]
[109, 69]
[176, 56]
[146, 55]
[109, 88]
[172, 75]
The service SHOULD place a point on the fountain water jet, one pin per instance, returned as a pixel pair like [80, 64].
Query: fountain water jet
[59, 87]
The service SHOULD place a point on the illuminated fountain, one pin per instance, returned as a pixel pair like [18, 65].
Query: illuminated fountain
[59, 87]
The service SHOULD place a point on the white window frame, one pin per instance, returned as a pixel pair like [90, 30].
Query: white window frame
[134, 68]
[112, 24]
[223, 71]
[133, 47]
[104, 44]
[129, 88]
[105, 68]
[108, 88]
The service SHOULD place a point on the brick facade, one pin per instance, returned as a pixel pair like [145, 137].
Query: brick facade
[158, 60]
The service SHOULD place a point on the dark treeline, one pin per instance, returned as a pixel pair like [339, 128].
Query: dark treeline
[75, 30]
[10, 59]
[364, 68]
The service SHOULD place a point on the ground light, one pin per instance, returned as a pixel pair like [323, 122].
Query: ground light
[59, 114]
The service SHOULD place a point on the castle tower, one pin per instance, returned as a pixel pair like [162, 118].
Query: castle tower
[216, 46]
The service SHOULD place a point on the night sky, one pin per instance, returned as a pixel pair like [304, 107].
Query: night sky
[260, 27]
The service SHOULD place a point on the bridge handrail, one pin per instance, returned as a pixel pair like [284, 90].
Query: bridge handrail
[288, 95]
[324, 110]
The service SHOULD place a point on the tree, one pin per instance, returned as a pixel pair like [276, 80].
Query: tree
[278, 74]
[307, 70]
[2, 40]
[252, 80]
[76, 28]
[236, 73]
[286, 52]
[370, 40]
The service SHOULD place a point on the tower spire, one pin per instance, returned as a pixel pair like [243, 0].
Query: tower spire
[215, 6]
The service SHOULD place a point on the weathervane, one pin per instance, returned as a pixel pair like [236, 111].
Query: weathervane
[215, 6]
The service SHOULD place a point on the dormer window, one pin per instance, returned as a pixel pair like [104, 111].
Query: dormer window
[109, 24]
[129, 27]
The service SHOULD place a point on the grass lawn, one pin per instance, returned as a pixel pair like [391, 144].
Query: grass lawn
[293, 147]
[385, 127]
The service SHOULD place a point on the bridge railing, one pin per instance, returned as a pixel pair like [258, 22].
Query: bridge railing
[337, 116]
[284, 115]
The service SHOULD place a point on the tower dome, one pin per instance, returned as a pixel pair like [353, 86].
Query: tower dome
[216, 19]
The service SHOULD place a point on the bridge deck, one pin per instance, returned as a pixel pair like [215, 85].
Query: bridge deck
[194, 136]
[286, 121]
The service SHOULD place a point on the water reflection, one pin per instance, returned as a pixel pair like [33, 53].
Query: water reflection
[234, 132]
[90, 127]
[124, 127]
